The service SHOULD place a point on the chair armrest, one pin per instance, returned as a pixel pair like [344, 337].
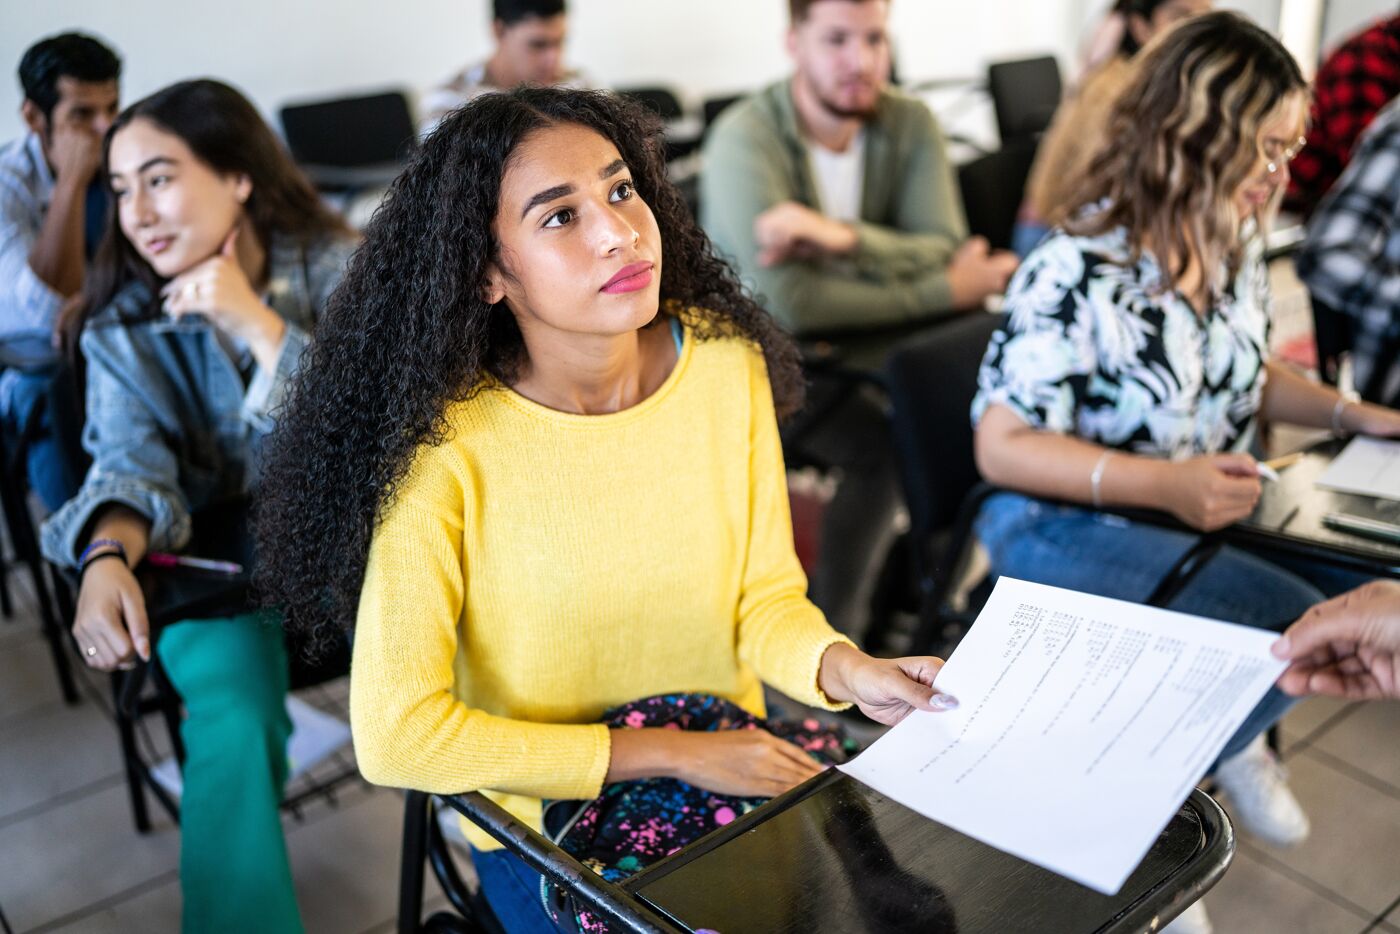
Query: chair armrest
[622, 910]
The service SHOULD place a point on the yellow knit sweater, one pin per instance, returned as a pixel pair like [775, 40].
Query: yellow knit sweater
[539, 567]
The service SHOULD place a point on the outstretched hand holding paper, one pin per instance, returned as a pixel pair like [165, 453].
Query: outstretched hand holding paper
[1083, 724]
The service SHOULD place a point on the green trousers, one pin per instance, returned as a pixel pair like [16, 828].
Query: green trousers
[234, 871]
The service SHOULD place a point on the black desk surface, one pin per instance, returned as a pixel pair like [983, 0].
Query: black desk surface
[841, 857]
[1289, 518]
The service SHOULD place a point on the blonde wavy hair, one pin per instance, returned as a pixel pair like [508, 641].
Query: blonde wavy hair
[1182, 139]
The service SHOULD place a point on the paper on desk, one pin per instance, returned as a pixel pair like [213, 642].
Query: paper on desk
[1083, 725]
[1369, 466]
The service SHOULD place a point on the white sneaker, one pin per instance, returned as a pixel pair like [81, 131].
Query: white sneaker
[1257, 787]
[1193, 920]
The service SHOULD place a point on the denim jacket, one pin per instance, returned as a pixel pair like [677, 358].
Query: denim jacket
[172, 424]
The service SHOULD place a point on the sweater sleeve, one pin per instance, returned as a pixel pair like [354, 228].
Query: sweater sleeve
[928, 218]
[781, 634]
[409, 729]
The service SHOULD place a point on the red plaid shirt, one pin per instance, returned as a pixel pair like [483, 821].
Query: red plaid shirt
[1355, 82]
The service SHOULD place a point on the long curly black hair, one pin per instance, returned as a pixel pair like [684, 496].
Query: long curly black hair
[407, 334]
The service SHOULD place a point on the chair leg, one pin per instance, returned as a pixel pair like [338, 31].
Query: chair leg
[53, 630]
[417, 813]
[170, 709]
[135, 772]
[7, 606]
[26, 545]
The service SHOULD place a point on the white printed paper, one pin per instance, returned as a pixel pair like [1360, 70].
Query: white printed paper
[1083, 724]
[1369, 466]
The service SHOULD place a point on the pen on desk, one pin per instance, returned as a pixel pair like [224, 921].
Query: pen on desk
[1287, 460]
[162, 559]
[1292, 514]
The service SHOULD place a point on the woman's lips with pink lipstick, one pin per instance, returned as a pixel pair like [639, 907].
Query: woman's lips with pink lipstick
[629, 278]
[158, 245]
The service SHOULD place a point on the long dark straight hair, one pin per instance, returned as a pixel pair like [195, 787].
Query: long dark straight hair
[225, 132]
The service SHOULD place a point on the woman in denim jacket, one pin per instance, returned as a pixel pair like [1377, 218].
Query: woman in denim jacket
[217, 262]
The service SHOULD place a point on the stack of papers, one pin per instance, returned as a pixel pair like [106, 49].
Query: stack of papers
[1083, 724]
[1369, 466]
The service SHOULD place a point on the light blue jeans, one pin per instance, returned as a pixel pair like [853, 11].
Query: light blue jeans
[1104, 554]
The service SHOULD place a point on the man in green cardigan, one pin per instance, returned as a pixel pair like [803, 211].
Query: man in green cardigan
[834, 194]
[834, 198]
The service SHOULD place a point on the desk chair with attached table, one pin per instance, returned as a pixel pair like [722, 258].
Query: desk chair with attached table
[869, 864]
[61, 408]
[176, 595]
[932, 379]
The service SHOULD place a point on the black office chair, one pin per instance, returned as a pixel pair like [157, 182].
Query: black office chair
[714, 106]
[992, 188]
[220, 531]
[661, 101]
[351, 142]
[1025, 94]
[681, 140]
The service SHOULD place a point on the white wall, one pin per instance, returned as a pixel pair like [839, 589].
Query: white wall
[281, 50]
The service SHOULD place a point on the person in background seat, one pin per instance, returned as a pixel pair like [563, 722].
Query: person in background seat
[195, 315]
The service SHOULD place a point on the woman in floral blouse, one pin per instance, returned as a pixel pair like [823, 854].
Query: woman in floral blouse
[1133, 368]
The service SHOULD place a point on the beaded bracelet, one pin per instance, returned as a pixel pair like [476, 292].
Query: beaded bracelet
[112, 546]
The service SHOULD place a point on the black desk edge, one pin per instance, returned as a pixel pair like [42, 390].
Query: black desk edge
[1195, 878]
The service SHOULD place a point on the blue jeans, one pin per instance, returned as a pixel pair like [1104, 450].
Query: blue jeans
[512, 889]
[1104, 554]
[1025, 235]
[51, 475]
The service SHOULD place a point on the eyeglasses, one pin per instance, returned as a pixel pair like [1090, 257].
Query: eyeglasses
[1279, 160]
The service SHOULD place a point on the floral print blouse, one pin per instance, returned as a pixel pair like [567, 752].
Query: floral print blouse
[1094, 347]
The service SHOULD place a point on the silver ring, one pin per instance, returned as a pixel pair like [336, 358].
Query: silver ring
[91, 651]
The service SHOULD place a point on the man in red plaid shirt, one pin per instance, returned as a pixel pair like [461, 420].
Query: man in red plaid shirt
[1359, 78]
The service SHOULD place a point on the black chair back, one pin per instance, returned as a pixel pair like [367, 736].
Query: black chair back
[712, 108]
[1332, 332]
[661, 101]
[1024, 94]
[352, 141]
[932, 379]
[992, 189]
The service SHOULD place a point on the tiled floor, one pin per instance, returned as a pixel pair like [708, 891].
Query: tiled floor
[70, 860]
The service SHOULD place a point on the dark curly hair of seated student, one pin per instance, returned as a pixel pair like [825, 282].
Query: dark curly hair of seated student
[408, 333]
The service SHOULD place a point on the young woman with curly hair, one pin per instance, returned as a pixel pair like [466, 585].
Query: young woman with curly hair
[201, 299]
[1134, 367]
[534, 460]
